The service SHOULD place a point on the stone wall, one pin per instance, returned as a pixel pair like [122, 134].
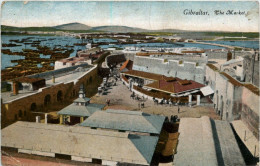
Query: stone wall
[233, 101]
[250, 110]
[187, 57]
[115, 58]
[223, 54]
[174, 68]
[251, 69]
[127, 55]
[227, 96]
[59, 72]
[45, 98]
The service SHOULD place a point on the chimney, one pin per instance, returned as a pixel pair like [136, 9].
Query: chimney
[229, 56]
[46, 118]
[15, 88]
[38, 119]
[53, 79]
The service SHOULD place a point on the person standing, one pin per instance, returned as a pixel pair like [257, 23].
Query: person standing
[108, 102]
[178, 109]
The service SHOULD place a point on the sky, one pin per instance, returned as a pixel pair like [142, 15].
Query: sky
[152, 15]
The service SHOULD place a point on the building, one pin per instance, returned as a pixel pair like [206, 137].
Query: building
[28, 84]
[90, 52]
[175, 86]
[205, 142]
[251, 68]
[183, 69]
[68, 62]
[61, 85]
[125, 121]
[155, 84]
[79, 110]
[234, 68]
[79, 143]
[234, 100]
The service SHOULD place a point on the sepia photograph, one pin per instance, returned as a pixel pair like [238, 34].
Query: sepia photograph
[130, 83]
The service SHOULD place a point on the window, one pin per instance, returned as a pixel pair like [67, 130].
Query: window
[33, 107]
[20, 113]
[47, 100]
[59, 96]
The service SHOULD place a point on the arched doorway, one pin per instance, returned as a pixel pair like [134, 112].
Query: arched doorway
[74, 93]
[47, 100]
[222, 107]
[59, 96]
[217, 101]
[33, 107]
[90, 79]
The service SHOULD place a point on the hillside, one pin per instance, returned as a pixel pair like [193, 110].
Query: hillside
[82, 28]
[118, 29]
[10, 28]
[73, 26]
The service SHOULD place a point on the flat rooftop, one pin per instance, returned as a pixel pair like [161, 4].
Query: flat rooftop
[80, 141]
[65, 78]
[250, 140]
[206, 142]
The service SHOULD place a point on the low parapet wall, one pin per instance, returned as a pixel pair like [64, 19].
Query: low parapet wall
[48, 75]
[190, 58]
[115, 58]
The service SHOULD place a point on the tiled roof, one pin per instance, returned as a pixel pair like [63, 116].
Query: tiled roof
[252, 88]
[231, 79]
[212, 67]
[127, 64]
[81, 111]
[146, 75]
[177, 86]
[134, 121]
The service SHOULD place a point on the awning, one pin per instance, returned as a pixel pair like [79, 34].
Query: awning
[207, 90]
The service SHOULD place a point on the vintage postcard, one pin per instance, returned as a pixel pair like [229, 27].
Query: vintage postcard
[164, 83]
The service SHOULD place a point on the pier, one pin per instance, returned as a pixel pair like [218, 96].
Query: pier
[220, 45]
